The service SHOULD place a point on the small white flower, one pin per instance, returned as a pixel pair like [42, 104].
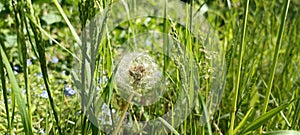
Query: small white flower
[42, 131]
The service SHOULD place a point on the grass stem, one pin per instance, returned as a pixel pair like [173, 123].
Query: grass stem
[238, 78]
[59, 8]
[275, 58]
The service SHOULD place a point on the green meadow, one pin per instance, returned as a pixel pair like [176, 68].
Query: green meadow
[190, 67]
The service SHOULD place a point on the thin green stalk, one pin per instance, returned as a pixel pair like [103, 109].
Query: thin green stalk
[238, 77]
[275, 58]
[173, 130]
[40, 45]
[3, 83]
[33, 20]
[83, 81]
[244, 120]
[264, 118]
[20, 20]
[16, 90]
[45, 33]
[43, 66]
[23, 57]
[116, 130]
[166, 47]
[206, 114]
[73, 31]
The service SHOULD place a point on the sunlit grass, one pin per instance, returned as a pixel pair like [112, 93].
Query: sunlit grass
[37, 57]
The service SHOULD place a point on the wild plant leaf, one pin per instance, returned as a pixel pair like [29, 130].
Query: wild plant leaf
[16, 90]
[3, 83]
[283, 132]
[264, 118]
[168, 126]
[51, 18]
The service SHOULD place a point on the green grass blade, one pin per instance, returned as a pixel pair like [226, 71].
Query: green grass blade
[237, 83]
[281, 113]
[166, 47]
[264, 118]
[295, 123]
[243, 122]
[168, 126]
[283, 132]
[3, 82]
[22, 52]
[275, 57]
[42, 60]
[51, 38]
[73, 31]
[16, 90]
[206, 114]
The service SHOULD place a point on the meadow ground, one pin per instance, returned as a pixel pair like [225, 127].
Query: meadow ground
[150, 67]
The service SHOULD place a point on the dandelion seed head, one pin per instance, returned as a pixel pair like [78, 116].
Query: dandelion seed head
[139, 67]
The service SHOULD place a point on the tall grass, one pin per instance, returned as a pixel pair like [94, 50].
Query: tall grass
[261, 93]
[238, 78]
[3, 81]
[276, 54]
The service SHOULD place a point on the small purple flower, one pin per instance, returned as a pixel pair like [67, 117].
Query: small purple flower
[40, 75]
[148, 43]
[44, 94]
[104, 106]
[159, 74]
[29, 62]
[103, 80]
[17, 69]
[106, 114]
[54, 60]
[69, 91]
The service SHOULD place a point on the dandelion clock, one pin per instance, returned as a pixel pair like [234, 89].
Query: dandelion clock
[157, 58]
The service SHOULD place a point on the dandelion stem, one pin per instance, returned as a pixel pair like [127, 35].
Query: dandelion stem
[116, 130]
[123, 115]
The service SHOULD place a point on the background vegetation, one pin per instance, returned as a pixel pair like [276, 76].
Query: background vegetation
[260, 38]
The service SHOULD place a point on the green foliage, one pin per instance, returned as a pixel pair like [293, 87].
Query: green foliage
[38, 38]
